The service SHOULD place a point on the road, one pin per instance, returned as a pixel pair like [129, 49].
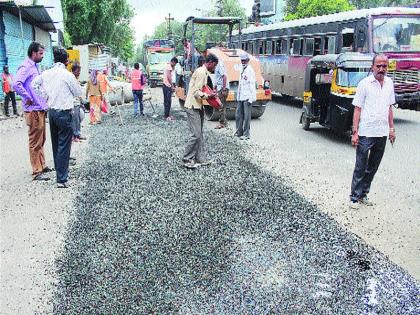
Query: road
[268, 222]
[319, 164]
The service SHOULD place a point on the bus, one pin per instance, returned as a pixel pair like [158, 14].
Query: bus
[157, 54]
[285, 48]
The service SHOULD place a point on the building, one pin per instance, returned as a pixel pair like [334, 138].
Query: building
[272, 11]
[15, 39]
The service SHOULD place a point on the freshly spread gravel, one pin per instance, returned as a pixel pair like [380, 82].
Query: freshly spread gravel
[151, 237]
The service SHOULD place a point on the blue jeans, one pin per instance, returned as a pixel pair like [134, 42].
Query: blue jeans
[61, 136]
[369, 154]
[138, 98]
[167, 98]
[243, 118]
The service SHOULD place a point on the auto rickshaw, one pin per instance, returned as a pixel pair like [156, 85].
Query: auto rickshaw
[232, 63]
[330, 85]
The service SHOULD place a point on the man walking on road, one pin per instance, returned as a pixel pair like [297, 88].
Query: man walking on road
[247, 94]
[373, 121]
[193, 156]
[35, 109]
[9, 92]
[222, 87]
[59, 87]
[168, 87]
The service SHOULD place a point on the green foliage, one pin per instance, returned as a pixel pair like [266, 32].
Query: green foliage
[67, 39]
[107, 22]
[360, 4]
[308, 8]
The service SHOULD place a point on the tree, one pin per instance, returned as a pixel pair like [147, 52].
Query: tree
[360, 4]
[106, 22]
[308, 8]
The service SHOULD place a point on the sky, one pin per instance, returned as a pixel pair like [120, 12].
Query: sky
[150, 13]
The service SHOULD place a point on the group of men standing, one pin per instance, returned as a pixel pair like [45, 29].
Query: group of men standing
[194, 156]
[53, 91]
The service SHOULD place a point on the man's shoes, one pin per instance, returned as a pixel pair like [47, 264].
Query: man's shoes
[47, 169]
[41, 177]
[72, 158]
[141, 114]
[237, 135]
[82, 138]
[203, 163]
[365, 201]
[63, 185]
[354, 205]
[244, 138]
[190, 164]
[72, 162]
[220, 126]
[170, 118]
[76, 139]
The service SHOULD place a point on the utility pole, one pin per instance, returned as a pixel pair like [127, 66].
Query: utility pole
[169, 19]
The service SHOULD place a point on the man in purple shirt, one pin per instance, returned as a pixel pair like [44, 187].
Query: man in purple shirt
[35, 109]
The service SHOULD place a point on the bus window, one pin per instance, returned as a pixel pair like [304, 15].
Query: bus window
[330, 44]
[347, 40]
[284, 46]
[278, 47]
[297, 47]
[317, 46]
[268, 48]
[243, 46]
[260, 50]
[273, 47]
[309, 47]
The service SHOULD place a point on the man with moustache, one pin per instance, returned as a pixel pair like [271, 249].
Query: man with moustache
[373, 121]
[34, 108]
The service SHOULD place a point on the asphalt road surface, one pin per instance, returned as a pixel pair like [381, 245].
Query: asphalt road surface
[265, 229]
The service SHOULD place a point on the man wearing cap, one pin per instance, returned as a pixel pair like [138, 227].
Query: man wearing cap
[246, 95]
[193, 156]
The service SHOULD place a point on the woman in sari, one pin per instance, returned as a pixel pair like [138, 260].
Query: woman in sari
[93, 91]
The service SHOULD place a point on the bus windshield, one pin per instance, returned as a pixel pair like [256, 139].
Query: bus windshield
[155, 58]
[350, 77]
[396, 34]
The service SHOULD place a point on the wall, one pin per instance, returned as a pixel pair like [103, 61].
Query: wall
[15, 50]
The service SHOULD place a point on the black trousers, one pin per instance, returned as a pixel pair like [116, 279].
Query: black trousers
[369, 153]
[167, 98]
[61, 136]
[10, 96]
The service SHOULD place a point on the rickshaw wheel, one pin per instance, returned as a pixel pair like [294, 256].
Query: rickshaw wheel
[211, 114]
[305, 122]
[181, 103]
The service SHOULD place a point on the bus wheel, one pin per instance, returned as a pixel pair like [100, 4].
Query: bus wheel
[211, 114]
[305, 121]
[257, 111]
[181, 103]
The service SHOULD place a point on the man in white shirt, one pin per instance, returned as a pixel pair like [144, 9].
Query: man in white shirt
[59, 87]
[246, 95]
[373, 121]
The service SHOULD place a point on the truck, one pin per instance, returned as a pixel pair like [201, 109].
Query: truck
[157, 54]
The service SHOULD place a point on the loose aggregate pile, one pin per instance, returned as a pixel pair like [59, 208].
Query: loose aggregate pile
[151, 237]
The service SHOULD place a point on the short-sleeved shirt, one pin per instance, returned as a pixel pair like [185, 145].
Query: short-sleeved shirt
[219, 73]
[374, 100]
